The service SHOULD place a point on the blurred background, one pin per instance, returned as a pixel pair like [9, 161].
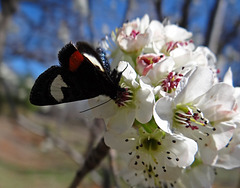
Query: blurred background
[43, 147]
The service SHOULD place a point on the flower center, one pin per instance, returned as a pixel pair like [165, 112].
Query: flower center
[150, 144]
[170, 46]
[170, 83]
[134, 33]
[151, 59]
[124, 97]
[189, 116]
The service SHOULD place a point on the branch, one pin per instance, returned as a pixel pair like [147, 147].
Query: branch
[211, 22]
[113, 167]
[229, 36]
[91, 162]
[217, 28]
[9, 7]
[185, 11]
[158, 8]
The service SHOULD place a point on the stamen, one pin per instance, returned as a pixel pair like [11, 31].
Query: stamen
[170, 83]
[190, 116]
[124, 97]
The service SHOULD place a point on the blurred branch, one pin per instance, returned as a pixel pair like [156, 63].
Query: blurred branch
[43, 57]
[218, 26]
[158, 8]
[229, 36]
[90, 22]
[96, 128]
[91, 162]
[9, 7]
[58, 142]
[185, 11]
[93, 159]
[211, 22]
[113, 167]
[128, 8]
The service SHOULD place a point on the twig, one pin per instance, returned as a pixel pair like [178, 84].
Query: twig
[158, 8]
[91, 162]
[9, 8]
[218, 27]
[113, 167]
[185, 12]
[211, 22]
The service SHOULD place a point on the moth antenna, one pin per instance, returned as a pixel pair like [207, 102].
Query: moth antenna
[95, 106]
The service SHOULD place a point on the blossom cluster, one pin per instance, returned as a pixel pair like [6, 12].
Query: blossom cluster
[176, 121]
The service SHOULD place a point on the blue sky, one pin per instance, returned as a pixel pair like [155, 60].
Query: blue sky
[105, 13]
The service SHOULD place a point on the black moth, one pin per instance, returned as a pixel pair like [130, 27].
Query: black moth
[83, 73]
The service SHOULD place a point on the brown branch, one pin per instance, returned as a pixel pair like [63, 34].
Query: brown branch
[229, 36]
[113, 167]
[91, 162]
[158, 8]
[96, 128]
[185, 11]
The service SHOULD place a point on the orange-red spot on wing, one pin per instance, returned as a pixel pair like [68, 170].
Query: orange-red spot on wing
[75, 61]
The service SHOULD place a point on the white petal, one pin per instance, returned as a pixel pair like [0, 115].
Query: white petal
[160, 70]
[157, 29]
[228, 157]
[181, 149]
[129, 175]
[199, 82]
[123, 120]
[181, 56]
[222, 135]
[144, 23]
[121, 142]
[145, 102]
[171, 173]
[128, 73]
[163, 114]
[175, 33]
[217, 104]
[102, 107]
[229, 161]
[201, 176]
[208, 155]
[228, 77]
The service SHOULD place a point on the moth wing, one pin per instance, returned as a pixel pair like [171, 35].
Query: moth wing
[41, 91]
[56, 85]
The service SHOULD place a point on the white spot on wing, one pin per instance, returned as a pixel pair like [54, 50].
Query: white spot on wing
[94, 61]
[55, 88]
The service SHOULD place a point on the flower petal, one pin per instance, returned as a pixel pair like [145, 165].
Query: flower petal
[217, 104]
[123, 120]
[163, 114]
[175, 33]
[180, 150]
[145, 102]
[199, 82]
[121, 142]
[223, 134]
